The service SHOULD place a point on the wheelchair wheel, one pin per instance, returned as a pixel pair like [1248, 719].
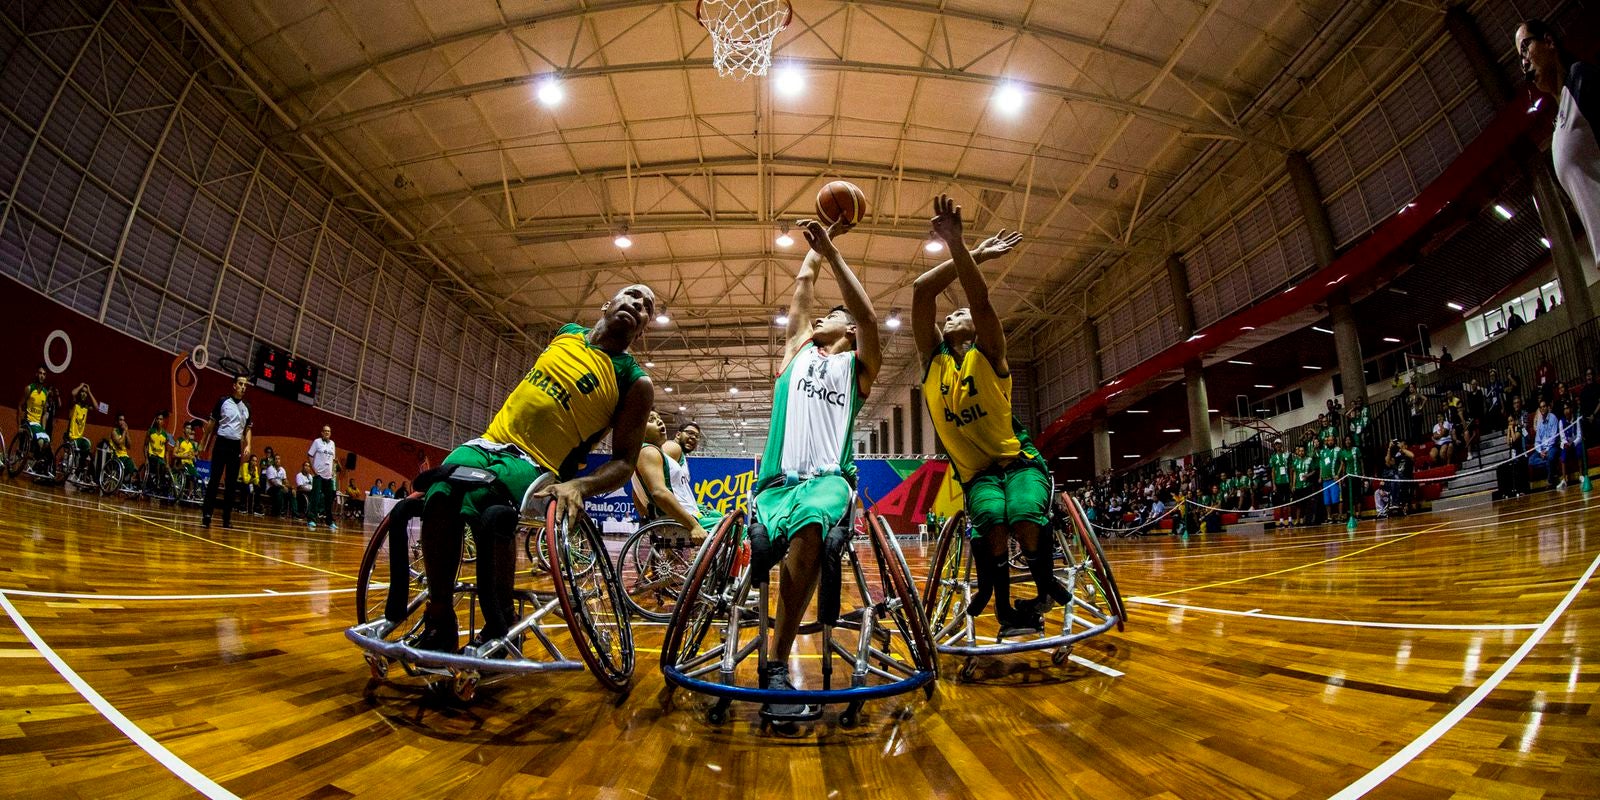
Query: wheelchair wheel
[653, 569]
[111, 476]
[947, 567]
[900, 596]
[703, 599]
[1100, 568]
[469, 547]
[372, 589]
[17, 453]
[591, 598]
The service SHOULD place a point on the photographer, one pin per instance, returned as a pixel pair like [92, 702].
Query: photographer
[1399, 463]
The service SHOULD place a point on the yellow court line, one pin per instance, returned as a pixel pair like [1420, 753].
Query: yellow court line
[1301, 566]
[148, 521]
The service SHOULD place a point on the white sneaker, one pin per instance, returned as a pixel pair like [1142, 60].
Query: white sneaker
[311, 523]
[332, 527]
[1561, 485]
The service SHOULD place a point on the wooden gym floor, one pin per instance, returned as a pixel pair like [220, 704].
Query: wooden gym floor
[1436, 656]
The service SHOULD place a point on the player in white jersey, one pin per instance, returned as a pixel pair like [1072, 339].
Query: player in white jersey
[808, 467]
[677, 451]
[655, 492]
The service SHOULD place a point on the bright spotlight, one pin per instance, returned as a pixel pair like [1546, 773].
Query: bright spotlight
[789, 81]
[550, 92]
[1009, 98]
[934, 246]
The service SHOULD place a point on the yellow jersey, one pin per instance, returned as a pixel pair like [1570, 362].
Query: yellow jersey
[80, 420]
[155, 443]
[38, 395]
[971, 410]
[185, 449]
[119, 446]
[247, 474]
[566, 403]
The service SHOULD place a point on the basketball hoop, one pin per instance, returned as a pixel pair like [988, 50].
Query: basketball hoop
[742, 32]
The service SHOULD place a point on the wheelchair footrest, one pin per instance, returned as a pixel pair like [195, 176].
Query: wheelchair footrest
[362, 636]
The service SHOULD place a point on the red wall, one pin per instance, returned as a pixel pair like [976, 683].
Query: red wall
[137, 379]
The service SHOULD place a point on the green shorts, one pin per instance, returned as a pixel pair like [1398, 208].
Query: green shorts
[128, 465]
[82, 444]
[515, 472]
[37, 431]
[1016, 493]
[709, 520]
[787, 509]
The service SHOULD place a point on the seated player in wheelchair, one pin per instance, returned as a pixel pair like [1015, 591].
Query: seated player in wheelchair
[967, 387]
[184, 450]
[118, 442]
[808, 470]
[156, 471]
[658, 491]
[35, 413]
[583, 384]
[78, 420]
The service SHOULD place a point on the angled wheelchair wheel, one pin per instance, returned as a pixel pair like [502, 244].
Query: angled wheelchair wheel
[900, 598]
[111, 476]
[372, 580]
[704, 599]
[591, 598]
[1082, 539]
[532, 534]
[17, 452]
[942, 594]
[653, 567]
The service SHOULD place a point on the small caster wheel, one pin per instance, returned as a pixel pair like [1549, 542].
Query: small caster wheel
[969, 669]
[1059, 657]
[716, 715]
[465, 685]
[851, 716]
[377, 665]
[927, 691]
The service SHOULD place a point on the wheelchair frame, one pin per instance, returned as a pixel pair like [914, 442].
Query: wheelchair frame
[717, 596]
[607, 652]
[1095, 608]
[670, 558]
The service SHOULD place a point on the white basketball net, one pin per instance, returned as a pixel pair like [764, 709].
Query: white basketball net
[742, 32]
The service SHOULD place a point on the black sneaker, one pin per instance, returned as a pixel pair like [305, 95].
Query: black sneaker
[775, 678]
[440, 639]
[205, 521]
[1025, 618]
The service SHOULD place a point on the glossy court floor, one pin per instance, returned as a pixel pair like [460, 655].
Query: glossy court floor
[1448, 655]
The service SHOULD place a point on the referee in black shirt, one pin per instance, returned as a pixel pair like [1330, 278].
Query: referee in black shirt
[230, 422]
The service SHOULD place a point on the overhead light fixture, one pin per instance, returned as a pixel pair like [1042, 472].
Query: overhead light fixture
[782, 318]
[733, 390]
[893, 322]
[1456, 306]
[1067, 458]
[1505, 213]
[1310, 367]
[1391, 340]
[669, 390]
[789, 81]
[1138, 411]
[683, 408]
[1212, 411]
[1248, 328]
[1172, 430]
[933, 246]
[550, 92]
[662, 318]
[1263, 386]
[1321, 330]
[1131, 455]
[622, 239]
[1544, 241]
[784, 239]
[1241, 363]
[1009, 98]
[649, 364]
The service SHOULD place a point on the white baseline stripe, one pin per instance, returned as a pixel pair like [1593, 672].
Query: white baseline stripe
[168, 759]
[1383, 771]
[1100, 668]
[238, 596]
[1354, 623]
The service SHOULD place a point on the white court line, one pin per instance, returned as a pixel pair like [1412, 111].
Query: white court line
[238, 596]
[1354, 623]
[159, 752]
[1100, 668]
[1383, 771]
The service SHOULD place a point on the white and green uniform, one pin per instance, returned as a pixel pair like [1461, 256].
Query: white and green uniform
[808, 466]
[677, 476]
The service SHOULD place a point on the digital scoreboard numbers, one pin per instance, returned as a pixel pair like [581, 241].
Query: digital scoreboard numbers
[286, 376]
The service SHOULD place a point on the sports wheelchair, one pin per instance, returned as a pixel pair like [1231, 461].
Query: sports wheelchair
[1081, 566]
[884, 637]
[392, 592]
[77, 467]
[30, 451]
[654, 566]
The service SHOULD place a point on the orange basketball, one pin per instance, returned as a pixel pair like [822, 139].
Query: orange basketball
[841, 200]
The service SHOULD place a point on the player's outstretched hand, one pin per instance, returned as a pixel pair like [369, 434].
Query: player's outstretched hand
[947, 221]
[568, 500]
[820, 238]
[997, 245]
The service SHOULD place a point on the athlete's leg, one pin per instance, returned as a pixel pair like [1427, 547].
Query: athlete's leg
[441, 559]
[797, 581]
[497, 567]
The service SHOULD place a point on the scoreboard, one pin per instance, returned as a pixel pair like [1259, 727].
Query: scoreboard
[286, 376]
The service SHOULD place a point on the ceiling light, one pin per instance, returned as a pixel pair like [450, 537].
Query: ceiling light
[1505, 213]
[893, 322]
[1212, 411]
[662, 318]
[783, 319]
[733, 390]
[784, 239]
[1248, 328]
[789, 81]
[1263, 386]
[933, 246]
[1172, 430]
[669, 390]
[1391, 340]
[1310, 367]
[1321, 330]
[1545, 242]
[550, 92]
[649, 364]
[1455, 306]
[1241, 363]
[1068, 458]
[1131, 455]
[683, 408]
[622, 240]
[1138, 411]
[1009, 98]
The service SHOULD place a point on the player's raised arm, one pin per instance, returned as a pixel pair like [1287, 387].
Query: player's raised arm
[798, 331]
[928, 286]
[869, 353]
[626, 436]
[947, 225]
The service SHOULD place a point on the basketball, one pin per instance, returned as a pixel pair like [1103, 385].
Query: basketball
[841, 200]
